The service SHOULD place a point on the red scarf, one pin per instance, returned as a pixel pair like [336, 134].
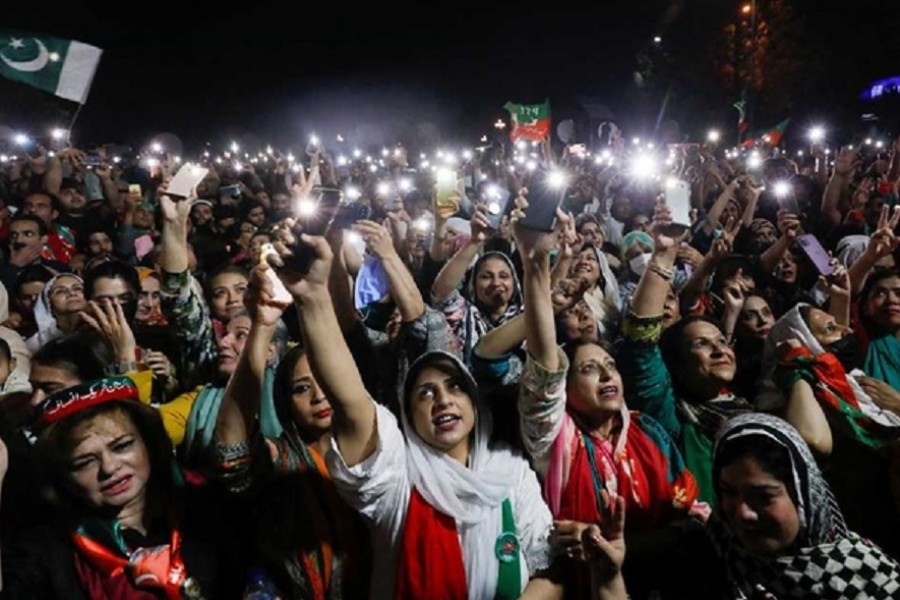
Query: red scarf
[431, 561]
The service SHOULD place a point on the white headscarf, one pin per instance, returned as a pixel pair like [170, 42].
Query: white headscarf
[605, 301]
[850, 248]
[792, 325]
[47, 329]
[473, 495]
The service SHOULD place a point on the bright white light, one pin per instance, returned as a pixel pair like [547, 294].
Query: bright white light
[782, 189]
[657, 40]
[643, 166]
[397, 152]
[606, 154]
[314, 140]
[177, 160]
[650, 145]
[519, 160]
[116, 160]
[598, 160]
[827, 151]
[799, 152]
[58, 133]
[254, 161]
[341, 160]
[53, 56]
[290, 158]
[556, 179]
[467, 154]
[868, 141]
[492, 190]
[373, 168]
[306, 207]
[422, 156]
[754, 161]
[817, 133]
[439, 154]
[368, 159]
[450, 158]
[384, 152]
[353, 238]
[152, 162]
[227, 154]
[218, 160]
[636, 141]
[352, 193]
[269, 150]
[357, 153]
[493, 208]
[156, 147]
[482, 176]
[235, 147]
[520, 145]
[425, 164]
[3, 158]
[340, 138]
[512, 168]
[422, 224]
[206, 153]
[51, 154]
[879, 144]
[238, 166]
[531, 166]
[712, 135]
[21, 139]
[295, 168]
[404, 184]
[383, 188]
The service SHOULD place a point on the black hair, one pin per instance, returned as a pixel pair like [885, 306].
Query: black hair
[248, 205]
[84, 354]
[33, 273]
[55, 204]
[571, 348]
[5, 351]
[876, 276]
[112, 269]
[55, 444]
[670, 345]
[774, 459]
[235, 269]
[42, 227]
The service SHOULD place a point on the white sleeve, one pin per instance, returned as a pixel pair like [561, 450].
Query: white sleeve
[542, 408]
[378, 487]
[533, 521]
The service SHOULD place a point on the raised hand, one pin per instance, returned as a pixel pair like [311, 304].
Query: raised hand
[158, 362]
[838, 283]
[316, 277]
[723, 246]
[108, 319]
[565, 539]
[846, 162]
[481, 226]
[175, 212]
[567, 293]
[261, 300]
[604, 545]
[884, 240]
[788, 224]
[533, 244]
[377, 238]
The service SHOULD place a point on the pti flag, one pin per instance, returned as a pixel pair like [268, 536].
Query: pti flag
[771, 136]
[530, 121]
[62, 67]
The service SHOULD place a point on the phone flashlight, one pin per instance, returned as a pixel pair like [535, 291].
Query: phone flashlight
[817, 133]
[352, 193]
[156, 147]
[556, 179]
[152, 162]
[235, 147]
[306, 207]
[22, 139]
[383, 188]
[58, 134]
[422, 224]
[467, 154]
[782, 189]
[712, 135]
[342, 161]
[404, 184]
[357, 153]
[754, 161]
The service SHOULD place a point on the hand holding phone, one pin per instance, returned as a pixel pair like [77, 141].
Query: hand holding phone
[817, 255]
[678, 200]
[186, 180]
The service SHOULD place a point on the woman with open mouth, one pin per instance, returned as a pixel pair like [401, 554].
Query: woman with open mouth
[588, 447]
[429, 485]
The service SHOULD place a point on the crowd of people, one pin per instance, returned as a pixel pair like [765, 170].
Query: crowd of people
[338, 377]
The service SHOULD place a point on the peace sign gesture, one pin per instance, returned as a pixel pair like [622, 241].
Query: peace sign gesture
[884, 240]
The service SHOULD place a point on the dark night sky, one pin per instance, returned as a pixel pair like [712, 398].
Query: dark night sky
[279, 70]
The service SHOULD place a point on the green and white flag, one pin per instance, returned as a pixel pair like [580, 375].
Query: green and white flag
[62, 67]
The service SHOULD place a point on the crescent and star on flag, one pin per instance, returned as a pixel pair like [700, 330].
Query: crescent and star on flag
[29, 66]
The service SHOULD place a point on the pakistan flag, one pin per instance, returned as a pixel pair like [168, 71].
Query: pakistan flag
[62, 67]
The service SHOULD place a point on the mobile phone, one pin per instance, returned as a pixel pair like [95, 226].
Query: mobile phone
[135, 189]
[678, 199]
[281, 297]
[545, 196]
[233, 191]
[810, 246]
[93, 160]
[577, 149]
[495, 198]
[446, 187]
[314, 221]
[186, 179]
[348, 214]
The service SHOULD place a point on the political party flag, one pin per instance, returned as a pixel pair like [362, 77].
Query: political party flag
[62, 67]
[740, 105]
[530, 121]
[771, 137]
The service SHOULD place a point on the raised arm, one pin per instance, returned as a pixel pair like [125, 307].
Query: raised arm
[650, 294]
[240, 403]
[400, 281]
[453, 272]
[720, 249]
[331, 360]
[882, 243]
[844, 165]
[718, 207]
[789, 226]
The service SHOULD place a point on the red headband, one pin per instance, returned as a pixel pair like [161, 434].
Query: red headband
[74, 399]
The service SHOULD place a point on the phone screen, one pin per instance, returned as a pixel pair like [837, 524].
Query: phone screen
[817, 255]
[678, 199]
[544, 197]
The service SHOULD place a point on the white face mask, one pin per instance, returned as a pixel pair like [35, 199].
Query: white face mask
[639, 263]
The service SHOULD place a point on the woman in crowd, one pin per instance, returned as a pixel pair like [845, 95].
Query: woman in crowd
[583, 438]
[128, 523]
[431, 487]
[58, 309]
[311, 541]
[492, 295]
[777, 526]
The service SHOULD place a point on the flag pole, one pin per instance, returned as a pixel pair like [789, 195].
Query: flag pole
[72, 124]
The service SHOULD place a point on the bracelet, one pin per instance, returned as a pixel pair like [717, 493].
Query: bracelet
[667, 274]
